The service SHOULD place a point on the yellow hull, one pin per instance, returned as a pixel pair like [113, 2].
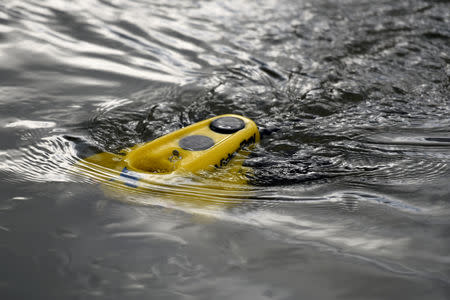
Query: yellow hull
[202, 161]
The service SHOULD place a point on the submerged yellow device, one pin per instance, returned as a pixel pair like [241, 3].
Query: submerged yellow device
[207, 146]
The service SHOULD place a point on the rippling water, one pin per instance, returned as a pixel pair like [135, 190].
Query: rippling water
[349, 195]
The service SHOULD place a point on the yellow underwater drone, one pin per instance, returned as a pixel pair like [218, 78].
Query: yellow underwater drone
[213, 148]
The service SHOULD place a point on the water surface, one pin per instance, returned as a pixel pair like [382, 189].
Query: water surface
[349, 194]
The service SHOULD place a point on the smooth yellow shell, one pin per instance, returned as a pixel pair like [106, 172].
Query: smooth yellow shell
[198, 148]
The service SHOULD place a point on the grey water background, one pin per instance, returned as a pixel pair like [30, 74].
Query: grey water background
[352, 183]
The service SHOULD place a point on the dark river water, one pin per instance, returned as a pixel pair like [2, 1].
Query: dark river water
[349, 194]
